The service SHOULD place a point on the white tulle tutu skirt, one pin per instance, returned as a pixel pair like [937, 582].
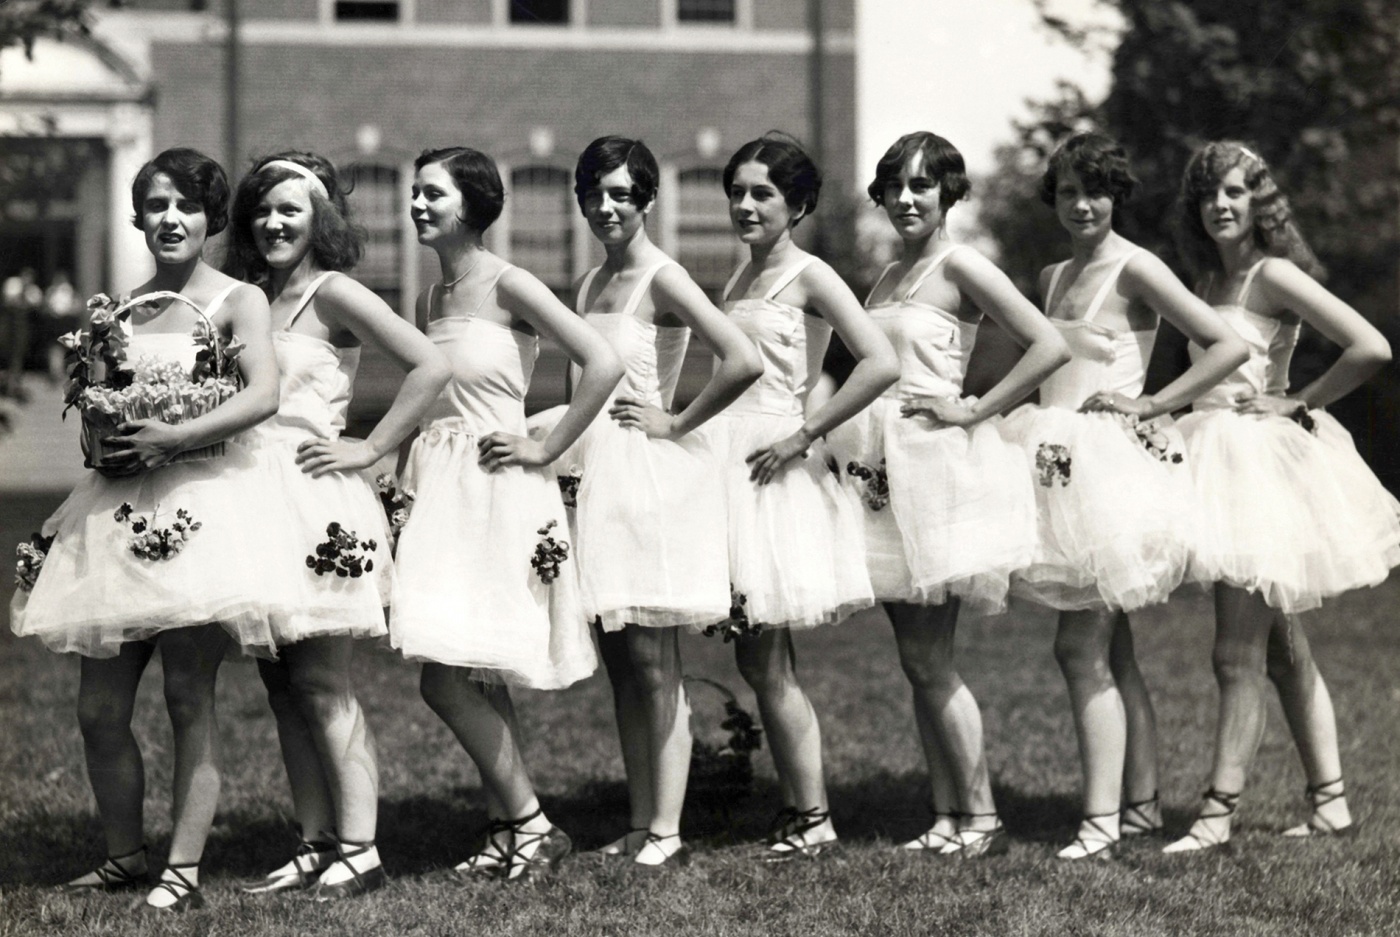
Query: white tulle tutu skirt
[1294, 515]
[947, 511]
[349, 594]
[649, 524]
[487, 576]
[796, 551]
[1114, 505]
[94, 593]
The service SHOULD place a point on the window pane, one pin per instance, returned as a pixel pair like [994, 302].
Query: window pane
[541, 232]
[706, 244]
[705, 11]
[377, 205]
[361, 10]
[539, 11]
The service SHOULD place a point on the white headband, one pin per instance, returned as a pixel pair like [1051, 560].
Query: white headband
[1250, 153]
[316, 184]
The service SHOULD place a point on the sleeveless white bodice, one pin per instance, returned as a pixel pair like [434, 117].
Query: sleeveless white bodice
[651, 355]
[1271, 342]
[790, 342]
[491, 368]
[1103, 359]
[317, 379]
[931, 343]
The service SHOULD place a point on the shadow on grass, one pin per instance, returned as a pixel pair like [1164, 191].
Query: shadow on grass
[423, 833]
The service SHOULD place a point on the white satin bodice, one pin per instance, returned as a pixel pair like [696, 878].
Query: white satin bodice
[790, 343]
[1270, 341]
[491, 369]
[1102, 358]
[931, 343]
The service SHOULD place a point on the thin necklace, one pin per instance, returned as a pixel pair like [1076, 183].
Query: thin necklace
[447, 286]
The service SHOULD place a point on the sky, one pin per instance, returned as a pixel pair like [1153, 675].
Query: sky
[962, 69]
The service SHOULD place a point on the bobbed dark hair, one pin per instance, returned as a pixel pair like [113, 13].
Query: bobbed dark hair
[1276, 232]
[196, 176]
[477, 178]
[1098, 160]
[336, 242]
[604, 155]
[943, 163]
[789, 168]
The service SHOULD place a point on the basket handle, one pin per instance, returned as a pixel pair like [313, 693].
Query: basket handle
[215, 337]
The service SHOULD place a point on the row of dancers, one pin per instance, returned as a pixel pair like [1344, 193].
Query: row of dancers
[1093, 503]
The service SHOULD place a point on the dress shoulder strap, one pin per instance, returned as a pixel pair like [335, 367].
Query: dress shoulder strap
[581, 300]
[309, 292]
[878, 280]
[923, 277]
[491, 288]
[643, 284]
[1108, 284]
[734, 278]
[788, 275]
[1243, 294]
[1055, 273]
[218, 300]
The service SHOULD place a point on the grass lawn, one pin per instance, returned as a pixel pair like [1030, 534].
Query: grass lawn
[431, 808]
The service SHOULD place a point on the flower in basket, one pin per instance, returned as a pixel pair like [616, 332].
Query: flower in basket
[109, 389]
[31, 561]
[724, 772]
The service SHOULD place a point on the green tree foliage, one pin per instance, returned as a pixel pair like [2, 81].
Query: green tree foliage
[24, 21]
[1312, 85]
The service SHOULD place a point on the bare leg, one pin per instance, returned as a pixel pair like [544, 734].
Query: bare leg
[1308, 708]
[656, 662]
[1242, 625]
[190, 659]
[1082, 649]
[1140, 767]
[106, 699]
[628, 708]
[947, 715]
[766, 663]
[311, 793]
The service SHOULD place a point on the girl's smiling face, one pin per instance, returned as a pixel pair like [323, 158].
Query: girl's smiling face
[437, 208]
[758, 209]
[612, 211]
[1082, 213]
[912, 201]
[282, 223]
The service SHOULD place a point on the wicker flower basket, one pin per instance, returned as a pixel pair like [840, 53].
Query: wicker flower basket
[149, 389]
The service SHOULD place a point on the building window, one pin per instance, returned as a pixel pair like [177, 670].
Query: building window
[541, 230]
[360, 11]
[377, 205]
[705, 11]
[552, 12]
[705, 242]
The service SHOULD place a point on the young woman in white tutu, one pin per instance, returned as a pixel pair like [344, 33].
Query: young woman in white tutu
[1290, 514]
[949, 505]
[795, 548]
[1112, 491]
[487, 591]
[291, 235]
[97, 596]
[650, 519]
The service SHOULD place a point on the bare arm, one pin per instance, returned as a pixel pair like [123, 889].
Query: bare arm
[1148, 279]
[356, 309]
[876, 369]
[530, 300]
[420, 317]
[147, 444]
[739, 364]
[994, 293]
[1364, 349]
